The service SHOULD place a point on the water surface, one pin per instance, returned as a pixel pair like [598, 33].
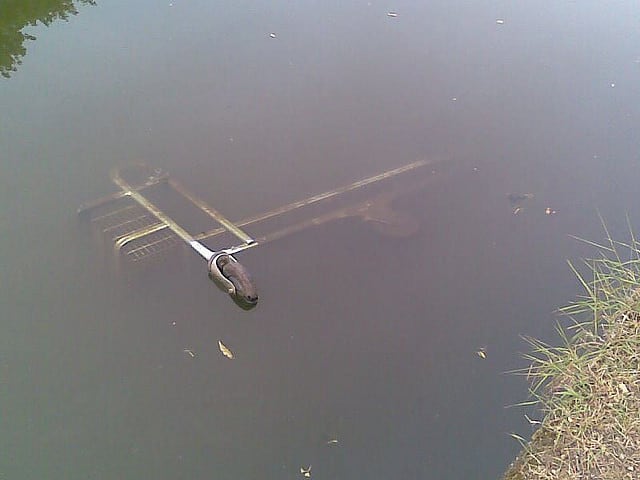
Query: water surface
[360, 337]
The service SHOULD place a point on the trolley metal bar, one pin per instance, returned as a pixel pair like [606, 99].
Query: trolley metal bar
[120, 211]
[154, 180]
[143, 232]
[333, 193]
[125, 222]
[151, 245]
[367, 209]
[160, 215]
[317, 198]
[212, 212]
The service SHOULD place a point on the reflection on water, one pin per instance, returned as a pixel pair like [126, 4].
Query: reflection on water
[15, 15]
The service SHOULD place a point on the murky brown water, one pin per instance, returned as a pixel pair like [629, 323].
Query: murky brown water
[359, 336]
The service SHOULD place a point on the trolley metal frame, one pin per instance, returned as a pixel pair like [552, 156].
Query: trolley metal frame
[139, 229]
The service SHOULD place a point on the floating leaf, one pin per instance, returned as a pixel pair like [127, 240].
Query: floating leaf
[306, 472]
[225, 350]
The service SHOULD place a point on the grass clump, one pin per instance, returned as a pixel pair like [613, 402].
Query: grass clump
[588, 388]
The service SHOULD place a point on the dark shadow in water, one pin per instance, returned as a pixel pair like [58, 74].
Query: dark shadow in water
[15, 15]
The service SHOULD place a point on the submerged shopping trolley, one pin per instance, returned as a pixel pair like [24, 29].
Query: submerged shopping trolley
[140, 229]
